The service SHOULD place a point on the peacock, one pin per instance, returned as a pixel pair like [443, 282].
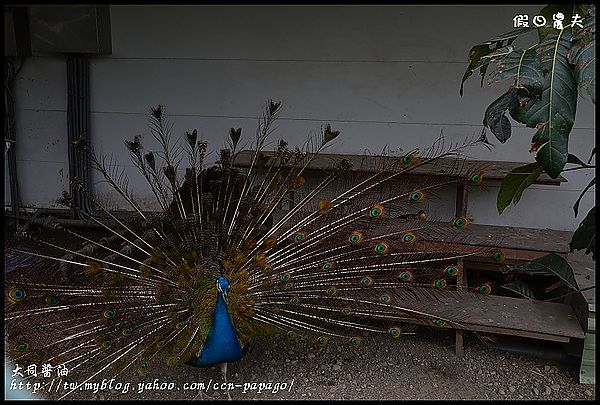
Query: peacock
[220, 263]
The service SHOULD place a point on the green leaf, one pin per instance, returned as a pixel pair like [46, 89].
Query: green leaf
[554, 112]
[585, 236]
[484, 49]
[585, 71]
[519, 287]
[494, 117]
[568, 10]
[553, 264]
[575, 160]
[515, 183]
[525, 67]
[576, 206]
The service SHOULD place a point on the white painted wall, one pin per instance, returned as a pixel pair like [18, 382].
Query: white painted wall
[383, 75]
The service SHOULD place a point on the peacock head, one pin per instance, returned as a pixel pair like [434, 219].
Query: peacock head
[223, 287]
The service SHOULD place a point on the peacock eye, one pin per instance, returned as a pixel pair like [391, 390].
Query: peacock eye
[416, 196]
[291, 334]
[439, 284]
[285, 276]
[355, 341]
[476, 178]
[407, 158]
[376, 211]
[328, 266]
[355, 238]
[385, 298]
[406, 276]
[332, 291]
[381, 248]
[438, 322]
[109, 313]
[498, 257]
[451, 271]
[459, 222]
[409, 237]
[21, 346]
[346, 311]
[299, 237]
[366, 281]
[16, 295]
[394, 331]
[322, 340]
[485, 289]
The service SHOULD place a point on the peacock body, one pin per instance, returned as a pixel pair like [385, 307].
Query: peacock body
[214, 268]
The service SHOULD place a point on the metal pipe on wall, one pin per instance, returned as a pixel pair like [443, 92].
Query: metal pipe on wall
[10, 131]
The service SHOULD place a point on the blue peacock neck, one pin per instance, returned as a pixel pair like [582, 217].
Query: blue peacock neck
[222, 344]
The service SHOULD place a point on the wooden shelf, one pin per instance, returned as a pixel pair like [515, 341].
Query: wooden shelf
[494, 170]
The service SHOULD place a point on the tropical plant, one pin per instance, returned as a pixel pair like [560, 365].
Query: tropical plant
[546, 79]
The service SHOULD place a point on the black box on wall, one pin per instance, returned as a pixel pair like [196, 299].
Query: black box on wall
[70, 29]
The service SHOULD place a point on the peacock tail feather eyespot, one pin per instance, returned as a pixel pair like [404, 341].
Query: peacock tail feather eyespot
[386, 299]
[51, 300]
[328, 266]
[367, 281]
[439, 323]
[356, 238]
[476, 178]
[322, 340]
[295, 300]
[109, 313]
[16, 295]
[376, 211]
[346, 311]
[408, 237]
[415, 196]
[408, 158]
[331, 291]
[127, 331]
[498, 257]
[451, 271]
[394, 332]
[460, 222]
[406, 276]
[355, 341]
[106, 343]
[291, 334]
[180, 325]
[285, 276]
[485, 289]
[21, 346]
[299, 237]
[440, 284]
[381, 248]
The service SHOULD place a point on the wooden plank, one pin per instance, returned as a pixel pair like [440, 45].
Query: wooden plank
[494, 170]
[507, 315]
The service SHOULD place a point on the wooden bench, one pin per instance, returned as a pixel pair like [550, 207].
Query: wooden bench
[492, 314]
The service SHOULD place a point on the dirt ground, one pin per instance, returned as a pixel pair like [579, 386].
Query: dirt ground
[411, 367]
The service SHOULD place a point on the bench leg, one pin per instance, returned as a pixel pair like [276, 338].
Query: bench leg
[461, 282]
[458, 348]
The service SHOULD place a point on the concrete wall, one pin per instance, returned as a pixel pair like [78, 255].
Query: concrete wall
[383, 75]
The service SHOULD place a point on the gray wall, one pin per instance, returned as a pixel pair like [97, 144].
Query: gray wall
[383, 75]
